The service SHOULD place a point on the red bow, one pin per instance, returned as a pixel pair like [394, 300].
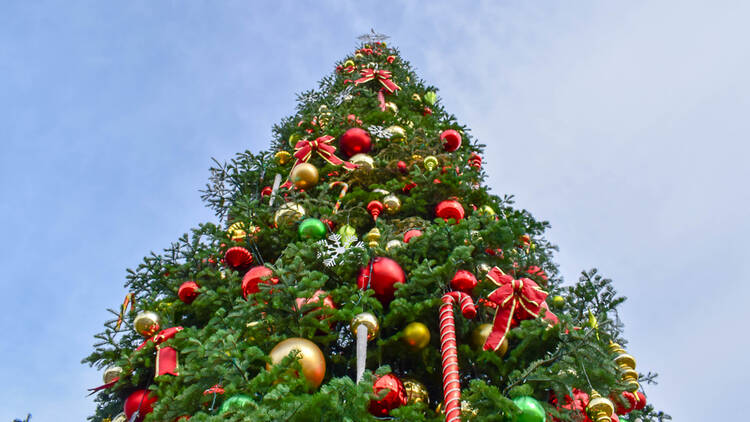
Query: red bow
[166, 357]
[304, 150]
[516, 300]
[382, 76]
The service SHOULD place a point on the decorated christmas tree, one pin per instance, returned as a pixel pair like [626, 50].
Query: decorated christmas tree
[362, 271]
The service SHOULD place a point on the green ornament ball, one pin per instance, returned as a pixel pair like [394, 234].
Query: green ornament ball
[312, 228]
[430, 97]
[235, 403]
[531, 409]
[348, 233]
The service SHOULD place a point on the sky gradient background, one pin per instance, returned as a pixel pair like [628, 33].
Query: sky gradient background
[624, 124]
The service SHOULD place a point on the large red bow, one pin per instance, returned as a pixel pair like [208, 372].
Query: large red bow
[382, 76]
[166, 357]
[516, 300]
[304, 150]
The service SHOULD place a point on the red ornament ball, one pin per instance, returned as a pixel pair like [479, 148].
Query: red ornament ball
[382, 279]
[463, 281]
[238, 257]
[641, 402]
[402, 167]
[391, 394]
[320, 297]
[188, 291]
[355, 141]
[411, 234]
[451, 140]
[625, 403]
[450, 209]
[140, 401]
[255, 276]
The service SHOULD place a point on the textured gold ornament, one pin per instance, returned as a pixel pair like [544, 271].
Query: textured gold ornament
[430, 162]
[416, 335]
[282, 157]
[393, 244]
[288, 213]
[111, 373]
[599, 409]
[415, 97]
[369, 320]
[391, 107]
[391, 203]
[120, 418]
[294, 138]
[310, 358]
[372, 237]
[416, 392]
[627, 364]
[237, 231]
[479, 337]
[304, 175]
[398, 134]
[146, 323]
[363, 160]
[323, 108]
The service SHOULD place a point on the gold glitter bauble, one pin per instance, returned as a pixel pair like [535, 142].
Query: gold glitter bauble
[304, 175]
[282, 157]
[369, 320]
[111, 373]
[363, 160]
[391, 107]
[479, 337]
[416, 392]
[288, 213]
[416, 335]
[146, 323]
[310, 358]
[237, 231]
[398, 134]
[391, 203]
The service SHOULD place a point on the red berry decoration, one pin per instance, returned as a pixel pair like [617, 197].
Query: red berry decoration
[140, 401]
[411, 234]
[641, 402]
[451, 140]
[355, 141]
[382, 279]
[450, 209]
[188, 292]
[463, 281]
[255, 276]
[395, 396]
[375, 208]
[238, 257]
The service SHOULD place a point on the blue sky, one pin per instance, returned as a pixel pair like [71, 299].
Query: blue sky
[625, 124]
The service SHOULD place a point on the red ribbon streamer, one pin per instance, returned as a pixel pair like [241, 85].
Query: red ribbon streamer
[516, 300]
[382, 76]
[129, 299]
[449, 351]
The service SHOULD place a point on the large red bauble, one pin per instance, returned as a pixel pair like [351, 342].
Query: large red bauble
[140, 401]
[319, 297]
[464, 281]
[238, 257]
[385, 274]
[254, 277]
[188, 292]
[391, 393]
[355, 141]
[450, 209]
[411, 234]
[641, 403]
[451, 140]
[625, 403]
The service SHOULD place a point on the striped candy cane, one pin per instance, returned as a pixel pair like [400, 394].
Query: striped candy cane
[344, 188]
[449, 351]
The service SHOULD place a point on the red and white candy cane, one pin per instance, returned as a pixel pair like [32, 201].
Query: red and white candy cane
[449, 351]
[344, 188]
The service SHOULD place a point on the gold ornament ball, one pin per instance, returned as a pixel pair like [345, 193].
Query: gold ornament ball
[237, 231]
[398, 134]
[310, 358]
[391, 107]
[430, 162]
[349, 63]
[482, 269]
[288, 213]
[368, 320]
[304, 175]
[146, 323]
[323, 108]
[120, 418]
[416, 392]
[558, 301]
[415, 97]
[391, 203]
[479, 337]
[358, 55]
[487, 210]
[282, 157]
[363, 160]
[294, 138]
[393, 244]
[111, 373]
[416, 335]
[599, 409]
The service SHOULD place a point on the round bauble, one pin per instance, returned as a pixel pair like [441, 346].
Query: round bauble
[146, 323]
[450, 209]
[451, 140]
[288, 213]
[355, 141]
[282, 157]
[140, 401]
[310, 358]
[382, 278]
[599, 408]
[312, 229]
[641, 402]
[416, 335]
[483, 268]
[390, 393]
[430, 97]
[624, 402]
[349, 63]
[393, 244]
[479, 337]
[411, 234]
[294, 138]
[320, 297]
[111, 374]
[348, 234]
[402, 167]
[363, 160]
[368, 320]
[237, 231]
[430, 162]
[391, 107]
[235, 403]
[398, 134]
[558, 301]
[531, 409]
[304, 176]
[486, 210]
[255, 276]
[188, 291]
[120, 417]
[416, 392]
[463, 281]
[391, 203]
[238, 257]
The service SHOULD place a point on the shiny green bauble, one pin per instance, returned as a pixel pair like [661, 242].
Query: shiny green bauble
[348, 234]
[312, 228]
[235, 403]
[531, 409]
[430, 97]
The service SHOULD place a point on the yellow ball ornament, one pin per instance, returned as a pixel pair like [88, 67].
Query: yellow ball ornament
[294, 138]
[416, 335]
[398, 134]
[479, 337]
[363, 160]
[391, 203]
[146, 323]
[368, 320]
[349, 63]
[282, 157]
[310, 358]
[487, 210]
[430, 162]
[288, 213]
[304, 175]
[416, 392]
